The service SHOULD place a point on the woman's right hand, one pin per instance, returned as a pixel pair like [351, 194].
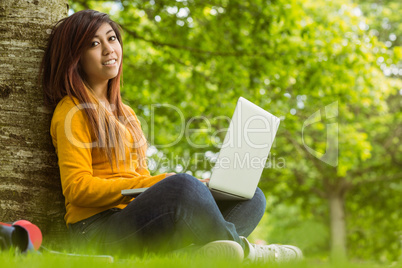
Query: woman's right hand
[170, 174]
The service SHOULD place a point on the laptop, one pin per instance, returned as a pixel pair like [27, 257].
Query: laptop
[242, 156]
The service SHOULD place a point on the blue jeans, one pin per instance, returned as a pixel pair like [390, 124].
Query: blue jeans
[174, 213]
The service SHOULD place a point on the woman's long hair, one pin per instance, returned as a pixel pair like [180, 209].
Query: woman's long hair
[62, 75]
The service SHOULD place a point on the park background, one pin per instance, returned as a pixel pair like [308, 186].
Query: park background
[295, 59]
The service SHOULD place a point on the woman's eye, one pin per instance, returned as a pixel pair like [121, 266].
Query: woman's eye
[113, 38]
[95, 43]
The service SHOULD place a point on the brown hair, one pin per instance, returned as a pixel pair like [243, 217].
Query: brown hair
[62, 75]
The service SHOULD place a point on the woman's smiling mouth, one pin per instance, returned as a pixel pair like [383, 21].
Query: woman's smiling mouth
[109, 62]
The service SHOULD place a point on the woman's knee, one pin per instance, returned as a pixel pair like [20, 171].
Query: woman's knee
[193, 192]
[182, 179]
[183, 183]
[260, 200]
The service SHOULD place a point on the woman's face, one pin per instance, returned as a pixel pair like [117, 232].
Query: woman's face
[101, 61]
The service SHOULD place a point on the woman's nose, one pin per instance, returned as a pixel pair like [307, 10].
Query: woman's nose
[108, 49]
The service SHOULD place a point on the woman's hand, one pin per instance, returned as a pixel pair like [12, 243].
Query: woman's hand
[170, 174]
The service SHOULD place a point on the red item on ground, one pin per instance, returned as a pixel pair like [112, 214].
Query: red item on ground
[21, 234]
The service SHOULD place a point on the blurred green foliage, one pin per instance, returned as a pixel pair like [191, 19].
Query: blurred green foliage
[11, 259]
[292, 58]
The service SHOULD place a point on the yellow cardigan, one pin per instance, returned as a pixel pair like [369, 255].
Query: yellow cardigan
[88, 183]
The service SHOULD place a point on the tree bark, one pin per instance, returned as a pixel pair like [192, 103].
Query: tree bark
[338, 227]
[29, 178]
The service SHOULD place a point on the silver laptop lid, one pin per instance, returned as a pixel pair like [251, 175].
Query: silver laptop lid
[245, 150]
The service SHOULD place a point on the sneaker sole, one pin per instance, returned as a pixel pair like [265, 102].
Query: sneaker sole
[224, 249]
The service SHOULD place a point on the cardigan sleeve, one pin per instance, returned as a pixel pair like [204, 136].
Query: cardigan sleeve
[74, 143]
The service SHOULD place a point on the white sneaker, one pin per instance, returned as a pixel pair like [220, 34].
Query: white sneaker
[225, 249]
[272, 253]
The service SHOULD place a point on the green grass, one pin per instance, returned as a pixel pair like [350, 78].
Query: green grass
[10, 259]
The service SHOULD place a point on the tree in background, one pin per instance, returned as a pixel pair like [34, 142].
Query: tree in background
[376, 227]
[335, 163]
[29, 178]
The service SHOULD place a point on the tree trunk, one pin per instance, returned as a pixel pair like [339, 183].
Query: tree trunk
[338, 227]
[29, 177]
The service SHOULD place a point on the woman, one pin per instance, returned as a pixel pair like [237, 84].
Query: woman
[101, 151]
